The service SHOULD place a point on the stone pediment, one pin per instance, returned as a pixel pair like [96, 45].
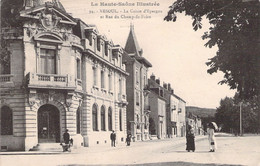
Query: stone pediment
[49, 15]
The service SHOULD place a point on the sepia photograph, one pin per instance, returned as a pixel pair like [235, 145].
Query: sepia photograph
[130, 83]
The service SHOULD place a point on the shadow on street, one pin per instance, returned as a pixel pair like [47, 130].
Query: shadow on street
[162, 164]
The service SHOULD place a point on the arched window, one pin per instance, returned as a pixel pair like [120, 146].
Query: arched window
[110, 119]
[78, 121]
[6, 121]
[94, 118]
[103, 118]
[120, 120]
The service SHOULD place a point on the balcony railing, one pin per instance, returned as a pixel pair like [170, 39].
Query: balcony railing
[6, 78]
[50, 81]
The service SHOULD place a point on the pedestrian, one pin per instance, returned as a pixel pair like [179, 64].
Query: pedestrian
[211, 137]
[190, 136]
[66, 138]
[128, 139]
[113, 138]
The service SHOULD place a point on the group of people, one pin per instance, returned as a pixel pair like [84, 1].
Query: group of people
[113, 139]
[190, 136]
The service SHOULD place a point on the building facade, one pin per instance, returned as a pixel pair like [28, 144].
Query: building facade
[175, 108]
[60, 74]
[137, 94]
[158, 104]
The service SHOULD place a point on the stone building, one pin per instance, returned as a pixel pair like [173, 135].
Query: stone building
[59, 73]
[137, 94]
[158, 116]
[175, 108]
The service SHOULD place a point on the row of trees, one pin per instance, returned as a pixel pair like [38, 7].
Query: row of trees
[228, 115]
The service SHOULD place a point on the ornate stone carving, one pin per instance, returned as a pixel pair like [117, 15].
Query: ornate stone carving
[49, 19]
[31, 32]
[32, 97]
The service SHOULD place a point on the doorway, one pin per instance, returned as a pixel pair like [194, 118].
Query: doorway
[48, 124]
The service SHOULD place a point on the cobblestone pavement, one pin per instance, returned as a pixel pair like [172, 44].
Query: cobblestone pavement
[231, 151]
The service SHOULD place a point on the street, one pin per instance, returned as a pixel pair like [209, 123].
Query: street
[231, 151]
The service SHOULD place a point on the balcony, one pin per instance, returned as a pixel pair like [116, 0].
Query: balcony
[6, 80]
[51, 81]
[122, 99]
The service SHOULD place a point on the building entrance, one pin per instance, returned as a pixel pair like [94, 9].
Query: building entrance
[48, 124]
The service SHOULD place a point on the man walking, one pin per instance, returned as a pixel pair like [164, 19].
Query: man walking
[113, 138]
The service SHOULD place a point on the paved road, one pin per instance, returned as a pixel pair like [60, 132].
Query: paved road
[231, 151]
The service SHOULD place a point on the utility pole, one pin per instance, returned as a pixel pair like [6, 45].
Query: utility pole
[240, 109]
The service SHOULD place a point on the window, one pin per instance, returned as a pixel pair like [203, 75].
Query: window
[94, 76]
[6, 121]
[110, 119]
[137, 98]
[119, 61]
[120, 86]
[145, 122]
[94, 118]
[137, 77]
[98, 44]
[102, 79]
[138, 122]
[120, 120]
[78, 121]
[78, 69]
[106, 49]
[103, 118]
[144, 81]
[47, 61]
[110, 82]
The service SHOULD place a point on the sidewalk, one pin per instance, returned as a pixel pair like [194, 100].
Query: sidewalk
[105, 148]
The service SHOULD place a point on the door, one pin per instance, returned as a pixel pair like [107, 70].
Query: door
[48, 124]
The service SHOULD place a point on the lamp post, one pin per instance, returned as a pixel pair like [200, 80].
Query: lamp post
[240, 112]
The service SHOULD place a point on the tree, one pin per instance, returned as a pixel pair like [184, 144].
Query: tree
[228, 115]
[235, 29]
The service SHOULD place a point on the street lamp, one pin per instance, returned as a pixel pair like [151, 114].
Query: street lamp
[240, 112]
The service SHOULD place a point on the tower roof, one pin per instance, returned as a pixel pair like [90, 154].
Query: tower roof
[132, 46]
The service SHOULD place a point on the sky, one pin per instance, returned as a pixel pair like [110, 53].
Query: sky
[177, 53]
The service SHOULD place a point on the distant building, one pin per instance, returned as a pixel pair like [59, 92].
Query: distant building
[158, 108]
[196, 123]
[175, 108]
[60, 74]
[137, 94]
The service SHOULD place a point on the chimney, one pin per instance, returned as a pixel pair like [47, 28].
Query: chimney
[172, 91]
[169, 87]
[164, 85]
[157, 81]
[152, 77]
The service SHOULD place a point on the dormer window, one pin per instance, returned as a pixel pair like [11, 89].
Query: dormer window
[106, 50]
[98, 44]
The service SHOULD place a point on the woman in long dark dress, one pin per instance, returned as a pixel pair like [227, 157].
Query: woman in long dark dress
[190, 144]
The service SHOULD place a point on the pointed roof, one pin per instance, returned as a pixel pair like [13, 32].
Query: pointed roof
[132, 46]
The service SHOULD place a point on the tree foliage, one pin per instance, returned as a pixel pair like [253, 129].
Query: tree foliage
[228, 115]
[235, 28]
[10, 13]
